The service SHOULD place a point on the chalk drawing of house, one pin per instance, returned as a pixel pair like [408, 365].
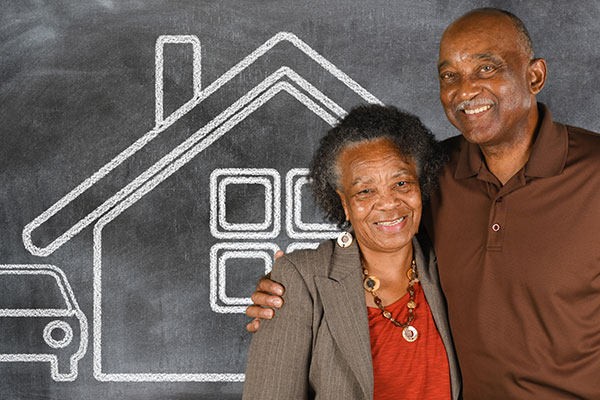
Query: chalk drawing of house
[167, 190]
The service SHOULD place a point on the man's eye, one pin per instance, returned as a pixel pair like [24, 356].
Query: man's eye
[487, 68]
[365, 191]
[446, 76]
[401, 183]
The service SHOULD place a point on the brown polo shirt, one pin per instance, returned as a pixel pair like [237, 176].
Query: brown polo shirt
[520, 267]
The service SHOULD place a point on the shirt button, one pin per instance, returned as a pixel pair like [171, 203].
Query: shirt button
[496, 227]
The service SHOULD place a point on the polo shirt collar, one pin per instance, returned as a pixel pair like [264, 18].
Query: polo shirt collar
[547, 158]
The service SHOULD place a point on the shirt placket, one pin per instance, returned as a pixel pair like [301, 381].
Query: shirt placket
[497, 193]
[496, 224]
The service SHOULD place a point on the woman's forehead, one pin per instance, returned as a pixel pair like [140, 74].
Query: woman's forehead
[369, 152]
[371, 161]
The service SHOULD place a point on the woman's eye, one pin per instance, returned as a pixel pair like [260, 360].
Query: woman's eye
[364, 193]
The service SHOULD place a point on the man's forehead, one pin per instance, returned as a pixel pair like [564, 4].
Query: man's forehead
[480, 20]
[478, 36]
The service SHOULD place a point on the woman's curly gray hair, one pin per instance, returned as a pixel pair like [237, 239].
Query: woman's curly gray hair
[368, 123]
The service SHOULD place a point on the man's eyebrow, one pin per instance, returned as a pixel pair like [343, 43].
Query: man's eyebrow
[491, 56]
[478, 56]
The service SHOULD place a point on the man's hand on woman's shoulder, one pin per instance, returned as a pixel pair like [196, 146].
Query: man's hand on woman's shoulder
[267, 294]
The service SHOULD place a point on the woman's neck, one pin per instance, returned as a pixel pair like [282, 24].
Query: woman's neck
[388, 266]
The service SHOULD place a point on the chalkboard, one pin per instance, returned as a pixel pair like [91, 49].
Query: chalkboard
[153, 158]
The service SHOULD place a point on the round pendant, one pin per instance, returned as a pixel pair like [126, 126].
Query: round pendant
[371, 283]
[410, 333]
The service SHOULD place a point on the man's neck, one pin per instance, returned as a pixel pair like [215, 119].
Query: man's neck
[504, 160]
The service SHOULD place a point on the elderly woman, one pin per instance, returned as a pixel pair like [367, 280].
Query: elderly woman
[364, 316]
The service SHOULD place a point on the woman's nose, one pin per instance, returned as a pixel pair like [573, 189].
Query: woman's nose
[388, 199]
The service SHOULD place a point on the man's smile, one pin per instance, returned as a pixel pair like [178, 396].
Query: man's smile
[477, 110]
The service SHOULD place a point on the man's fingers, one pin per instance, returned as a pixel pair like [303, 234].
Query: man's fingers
[279, 254]
[266, 300]
[259, 312]
[253, 325]
[267, 285]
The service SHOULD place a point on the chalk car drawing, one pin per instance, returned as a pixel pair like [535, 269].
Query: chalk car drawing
[40, 320]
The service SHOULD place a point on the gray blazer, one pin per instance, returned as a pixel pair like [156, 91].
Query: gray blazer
[317, 345]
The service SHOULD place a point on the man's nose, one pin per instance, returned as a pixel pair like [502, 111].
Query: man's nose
[469, 88]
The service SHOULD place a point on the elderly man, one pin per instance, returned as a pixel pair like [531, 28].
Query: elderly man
[514, 223]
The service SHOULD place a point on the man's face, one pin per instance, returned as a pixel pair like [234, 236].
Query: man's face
[484, 79]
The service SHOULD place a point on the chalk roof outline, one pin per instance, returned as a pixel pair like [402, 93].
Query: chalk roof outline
[171, 162]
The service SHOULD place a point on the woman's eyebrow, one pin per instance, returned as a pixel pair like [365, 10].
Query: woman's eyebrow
[397, 174]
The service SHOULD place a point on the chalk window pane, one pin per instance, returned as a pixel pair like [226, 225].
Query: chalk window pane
[303, 219]
[234, 270]
[245, 203]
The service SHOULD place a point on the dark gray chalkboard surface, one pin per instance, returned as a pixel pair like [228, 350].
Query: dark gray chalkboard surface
[152, 159]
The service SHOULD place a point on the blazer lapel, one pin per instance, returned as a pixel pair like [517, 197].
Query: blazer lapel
[428, 277]
[346, 313]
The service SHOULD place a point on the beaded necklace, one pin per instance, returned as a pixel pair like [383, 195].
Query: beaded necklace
[371, 284]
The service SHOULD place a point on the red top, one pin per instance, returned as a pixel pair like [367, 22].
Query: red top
[403, 370]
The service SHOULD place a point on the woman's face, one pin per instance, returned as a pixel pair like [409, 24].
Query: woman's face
[380, 194]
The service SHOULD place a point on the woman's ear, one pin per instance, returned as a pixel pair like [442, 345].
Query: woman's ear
[343, 200]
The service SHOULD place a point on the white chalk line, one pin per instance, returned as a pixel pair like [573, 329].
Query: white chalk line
[58, 344]
[47, 250]
[298, 211]
[217, 285]
[136, 196]
[268, 187]
[132, 186]
[222, 273]
[159, 69]
[260, 51]
[164, 174]
[126, 191]
[71, 310]
[301, 246]
[294, 210]
[214, 290]
[149, 377]
[217, 201]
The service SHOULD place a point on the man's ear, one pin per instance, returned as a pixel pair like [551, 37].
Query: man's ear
[343, 200]
[536, 75]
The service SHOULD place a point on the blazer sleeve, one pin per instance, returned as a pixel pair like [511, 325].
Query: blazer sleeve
[280, 352]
